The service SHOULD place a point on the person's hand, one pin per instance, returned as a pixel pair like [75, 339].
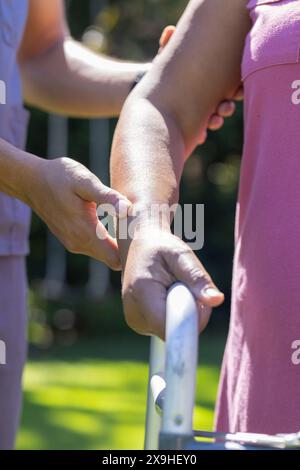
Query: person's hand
[65, 194]
[225, 108]
[155, 260]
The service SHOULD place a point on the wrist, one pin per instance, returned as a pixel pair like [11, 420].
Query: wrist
[16, 171]
[144, 220]
[30, 178]
[154, 216]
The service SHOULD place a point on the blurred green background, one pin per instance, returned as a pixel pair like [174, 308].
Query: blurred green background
[85, 382]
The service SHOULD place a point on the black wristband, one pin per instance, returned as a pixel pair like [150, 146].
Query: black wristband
[137, 79]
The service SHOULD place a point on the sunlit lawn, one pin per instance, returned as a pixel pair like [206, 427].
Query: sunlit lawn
[92, 395]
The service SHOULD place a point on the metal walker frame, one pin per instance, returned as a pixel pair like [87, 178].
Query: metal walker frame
[171, 389]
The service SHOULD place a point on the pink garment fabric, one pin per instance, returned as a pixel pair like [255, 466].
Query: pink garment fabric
[260, 379]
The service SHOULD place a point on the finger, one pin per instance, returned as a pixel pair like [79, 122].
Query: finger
[204, 316]
[87, 243]
[93, 190]
[145, 310]
[215, 122]
[166, 35]
[146, 313]
[202, 137]
[104, 248]
[111, 197]
[153, 304]
[92, 238]
[186, 267]
[239, 95]
[226, 108]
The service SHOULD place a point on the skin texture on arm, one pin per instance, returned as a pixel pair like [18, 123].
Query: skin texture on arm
[60, 75]
[157, 131]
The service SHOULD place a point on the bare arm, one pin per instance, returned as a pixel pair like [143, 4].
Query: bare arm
[160, 121]
[62, 76]
[157, 130]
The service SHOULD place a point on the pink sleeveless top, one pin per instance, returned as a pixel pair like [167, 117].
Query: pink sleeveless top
[260, 379]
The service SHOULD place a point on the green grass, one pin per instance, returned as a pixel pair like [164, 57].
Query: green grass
[92, 395]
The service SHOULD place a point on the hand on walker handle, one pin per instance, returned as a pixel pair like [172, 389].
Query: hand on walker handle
[154, 262]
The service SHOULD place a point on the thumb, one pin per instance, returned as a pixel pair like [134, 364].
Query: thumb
[188, 269]
[93, 190]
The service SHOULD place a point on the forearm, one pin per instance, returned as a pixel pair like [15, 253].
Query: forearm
[160, 122]
[69, 79]
[147, 161]
[147, 154]
[146, 166]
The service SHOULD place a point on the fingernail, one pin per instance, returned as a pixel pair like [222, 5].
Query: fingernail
[210, 292]
[163, 36]
[122, 208]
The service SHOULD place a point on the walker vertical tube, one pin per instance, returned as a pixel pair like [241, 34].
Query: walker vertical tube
[180, 368]
[153, 420]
